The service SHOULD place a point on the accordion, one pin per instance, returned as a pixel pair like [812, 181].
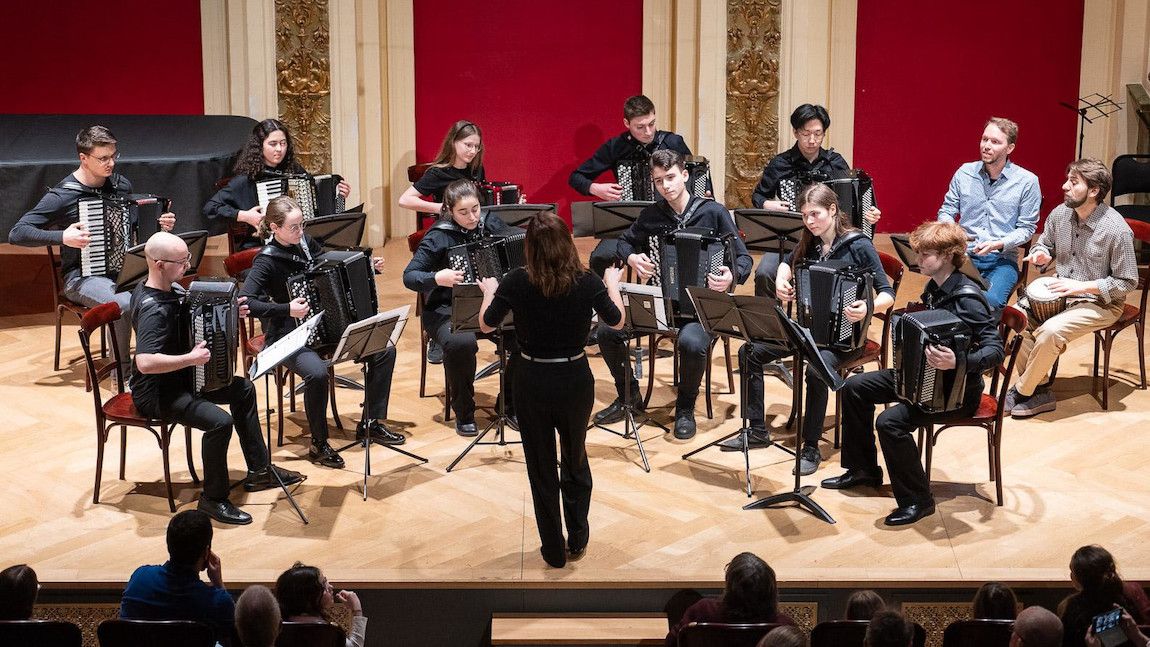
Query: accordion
[823, 291]
[341, 284]
[212, 316]
[684, 258]
[316, 195]
[634, 176]
[109, 223]
[699, 176]
[493, 192]
[916, 382]
[492, 256]
[854, 188]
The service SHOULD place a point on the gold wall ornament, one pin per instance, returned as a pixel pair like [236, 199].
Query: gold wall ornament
[303, 79]
[754, 33]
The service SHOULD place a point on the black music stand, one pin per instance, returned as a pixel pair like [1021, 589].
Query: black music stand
[466, 298]
[341, 231]
[361, 341]
[645, 312]
[805, 350]
[1089, 108]
[517, 215]
[753, 320]
[135, 268]
[768, 230]
[909, 258]
[611, 219]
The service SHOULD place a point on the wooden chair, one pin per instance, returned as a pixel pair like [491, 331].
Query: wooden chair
[1131, 316]
[989, 414]
[839, 633]
[63, 304]
[42, 633]
[653, 342]
[170, 633]
[310, 634]
[721, 634]
[413, 240]
[414, 173]
[984, 633]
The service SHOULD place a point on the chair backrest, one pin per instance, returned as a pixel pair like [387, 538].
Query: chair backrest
[57, 279]
[93, 320]
[310, 634]
[1011, 323]
[415, 238]
[42, 633]
[416, 171]
[721, 634]
[1131, 174]
[894, 269]
[170, 633]
[240, 262]
[1023, 268]
[839, 633]
[984, 633]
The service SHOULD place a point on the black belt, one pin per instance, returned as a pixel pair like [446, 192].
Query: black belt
[552, 360]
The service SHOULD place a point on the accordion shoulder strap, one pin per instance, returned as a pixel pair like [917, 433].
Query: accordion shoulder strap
[846, 239]
[275, 252]
[692, 207]
[964, 290]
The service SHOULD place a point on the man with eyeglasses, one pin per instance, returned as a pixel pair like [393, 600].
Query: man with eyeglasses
[55, 220]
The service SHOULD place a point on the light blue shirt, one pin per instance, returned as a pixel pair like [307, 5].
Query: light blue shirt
[1006, 210]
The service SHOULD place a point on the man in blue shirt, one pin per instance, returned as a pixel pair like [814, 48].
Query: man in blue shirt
[173, 590]
[997, 203]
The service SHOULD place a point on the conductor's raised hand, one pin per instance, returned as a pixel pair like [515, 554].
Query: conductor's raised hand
[940, 357]
[642, 264]
[448, 278]
[343, 188]
[489, 285]
[608, 192]
[76, 235]
[612, 276]
[721, 280]
[856, 311]
[784, 291]
[167, 221]
[298, 307]
[199, 355]
[1038, 257]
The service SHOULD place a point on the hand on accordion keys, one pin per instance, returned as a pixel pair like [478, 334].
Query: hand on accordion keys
[167, 221]
[245, 311]
[784, 290]
[343, 188]
[940, 357]
[199, 355]
[872, 215]
[76, 235]
[448, 278]
[377, 264]
[721, 280]
[298, 307]
[856, 311]
[642, 264]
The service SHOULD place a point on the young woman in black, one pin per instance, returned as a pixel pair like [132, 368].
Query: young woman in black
[288, 252]
[269, 149]
[461, 220]
[552, 299]
[460, 158]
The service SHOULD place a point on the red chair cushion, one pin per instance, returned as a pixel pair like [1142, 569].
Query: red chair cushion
[414, 238]
[1129, 314]
[987, 407]
[256, 345]
[121, 408]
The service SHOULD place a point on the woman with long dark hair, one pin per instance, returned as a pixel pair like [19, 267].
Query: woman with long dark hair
[552, 299]
[1098, 587]
[306, 595]
[750, 594]
[18, 590]
[460, 158]
[994, 601]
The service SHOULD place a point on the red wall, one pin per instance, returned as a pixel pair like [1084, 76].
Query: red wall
[120, 57]
[545, 82]
[930, 74]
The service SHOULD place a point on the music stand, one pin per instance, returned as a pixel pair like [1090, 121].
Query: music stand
[466, 298]
[805, 350]
[909, 258]
[768, 230]
[516, 215]
[1089, 108]
[611, 219]
[360, 342]
[341, 231]
[135, 267]
[751, 319]
[269, 358]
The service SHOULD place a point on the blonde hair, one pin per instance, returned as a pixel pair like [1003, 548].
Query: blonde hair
[275, 213]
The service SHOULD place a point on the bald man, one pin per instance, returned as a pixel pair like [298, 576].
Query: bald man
[162, 384]
[1036, 627]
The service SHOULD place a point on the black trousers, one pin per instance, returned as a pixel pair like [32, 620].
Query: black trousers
[752, 357]
[896, 427]
[766, 273]
[459, 351]
[313, 369]
[183, 408]
[557, 398]
[605, 254]
[691, 345]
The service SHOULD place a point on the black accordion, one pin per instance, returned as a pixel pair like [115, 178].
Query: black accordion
[854, 188]
[109, 223]
[211, 315]
[823, 291]
[493, 256]
[492, 192]
[699, 176]
[341, 284]
[634, 176]
[916, 382]
[316, 195]
[684, 258]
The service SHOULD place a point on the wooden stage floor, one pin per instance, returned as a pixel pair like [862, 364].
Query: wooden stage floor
[1075, 476]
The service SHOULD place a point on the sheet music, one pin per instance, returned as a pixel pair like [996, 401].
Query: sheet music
[651, 293]
[284, 347]
[400, 316]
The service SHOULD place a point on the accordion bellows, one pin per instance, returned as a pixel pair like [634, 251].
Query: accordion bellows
[212, 317]
[918, 383]
[341, 284]
[823, 291]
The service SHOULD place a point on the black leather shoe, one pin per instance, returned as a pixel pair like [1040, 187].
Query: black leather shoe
[556, 561]
[854, 478]
[593, 337]
[323, 454]
[512, 421]
[684, 424]
[909, 514]
[264, 480]
[224, 512]
[466, 429]
[379, 433]
[756, 439]
[574, 554]
[612, 414]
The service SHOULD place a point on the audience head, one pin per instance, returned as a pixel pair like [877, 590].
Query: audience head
[1093, 571]
[889, 629]
[269, 146]
[751, 593]
[189, 538]
[944, 240]
[257, 617]
[1036, 627]
[862, 605]
[810, 124]
[304, 591]
[786, 636]
[284, 218]
[1086, 180]
[994, 601]
[18, 590]
[639, 118]
[462, 147]
[552, 261]
[461, 204]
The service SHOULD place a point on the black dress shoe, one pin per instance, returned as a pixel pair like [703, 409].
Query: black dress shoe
[684, 424]
[558, 561]
[574, 554]
[909, 514]
[379, 433]
[612, 414]
[756, 439]
[323, 454]
[466, 429]
[264, 480]
[512, 421]
[854, 478]
[223, 511]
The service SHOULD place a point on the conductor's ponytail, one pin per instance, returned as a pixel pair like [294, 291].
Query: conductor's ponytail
[275, 213]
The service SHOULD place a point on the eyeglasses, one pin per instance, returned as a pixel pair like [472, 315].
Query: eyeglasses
[296, 228]
[185, 261]
[816, 135]
[104, 159]
[473, 147]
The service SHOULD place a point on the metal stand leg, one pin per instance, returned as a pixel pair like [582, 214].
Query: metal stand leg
[633, 420]
[271, 466]
[501, 421]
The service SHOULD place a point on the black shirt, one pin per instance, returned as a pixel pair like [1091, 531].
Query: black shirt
[436, 178]
[238, 195]
[790, 163]
[622, 147]
[970, 305]
[549, 327]
[431, 256]
[851, 246]
[266, 285]
[156, 318]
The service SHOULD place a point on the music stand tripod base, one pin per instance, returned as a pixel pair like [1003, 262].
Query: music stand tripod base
[501, 420]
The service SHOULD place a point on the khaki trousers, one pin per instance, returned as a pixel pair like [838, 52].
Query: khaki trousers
[1042, 346]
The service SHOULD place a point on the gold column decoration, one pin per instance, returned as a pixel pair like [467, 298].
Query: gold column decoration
[303, 79]
[753, 35]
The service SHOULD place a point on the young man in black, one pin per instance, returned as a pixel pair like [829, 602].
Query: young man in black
[161, 385]
[676, 210]
[941, 247]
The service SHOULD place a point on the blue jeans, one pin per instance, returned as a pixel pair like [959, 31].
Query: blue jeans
[1000, 273]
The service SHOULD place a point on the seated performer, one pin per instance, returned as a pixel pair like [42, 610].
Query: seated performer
[461, 221]
[161, 385]
[289, 251]
[677, 209]
[828, 236]
[58, 210]
[637, 143]
[996, 202]
[269, 150]
[552, 300]
[1093, 252]
[941, 248]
